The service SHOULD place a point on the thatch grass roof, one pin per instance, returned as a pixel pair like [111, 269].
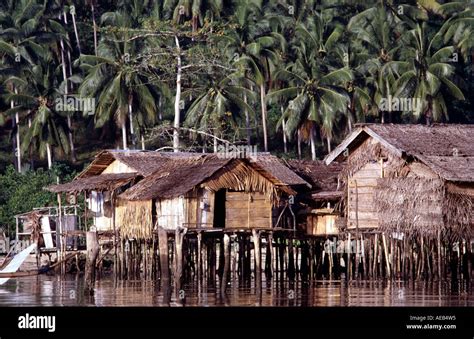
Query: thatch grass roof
[418, 206]
[143, 162]
[241, 175]
[180, 174]
[103, 182]
[174, 178]
[322, 177]
[409, 204]
[268, 164]
[447, 149]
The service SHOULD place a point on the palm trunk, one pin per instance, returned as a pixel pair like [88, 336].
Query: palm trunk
[69, 63]
[124, 135]
[18, 145]
[49, 155]
[32, 164]
[247, 122]
[130, 117]
[328, 139]
[264, 116]
[160, 114]
[95, 28]
[313, 144]
[16, 123]
[177, 100]
[66, 92]
[73, 15]
[299, 144]
[283, 125]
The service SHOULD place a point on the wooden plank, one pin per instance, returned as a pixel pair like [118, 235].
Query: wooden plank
[246, 204]
[363, 215]
[363, 190]
[230, 196]
[363, 223]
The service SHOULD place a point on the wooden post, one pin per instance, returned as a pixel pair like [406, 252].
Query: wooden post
[281, 256]
[291, 259]
[164, 260]
[374, 267]
[362, 250]
[112, 202]
[199, 256]
[387, 261]
[60, 238]
[349, 257]
[258, 262]
[178, 275]
[226, 263]
[92, 245]
[269, 256]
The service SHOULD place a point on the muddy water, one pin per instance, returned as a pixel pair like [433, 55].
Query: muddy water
[52, 291]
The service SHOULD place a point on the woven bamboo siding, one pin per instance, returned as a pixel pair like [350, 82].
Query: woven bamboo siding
[248, 210]
[171, 212]
[361, 188]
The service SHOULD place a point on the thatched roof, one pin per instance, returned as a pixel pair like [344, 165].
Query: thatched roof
[143, 162]
[448, 150]
[146, 163]
[424, 206]
[104, 182]
[179, 174]
[174, 178]
[271, 165]
[322, 177]
[169, 174]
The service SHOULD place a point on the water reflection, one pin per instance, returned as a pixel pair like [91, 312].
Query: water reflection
[52, 291]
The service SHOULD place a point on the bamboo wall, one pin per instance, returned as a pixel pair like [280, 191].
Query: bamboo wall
[248, 210]
[193, 210]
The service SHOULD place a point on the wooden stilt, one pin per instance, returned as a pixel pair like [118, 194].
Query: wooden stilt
[92, 245]
[269, 257]
[374, 267]
[179, 236]
[199, 256]
[387, 260]
[164, 258]
[291, 259]
[258, 260]
[226, 249]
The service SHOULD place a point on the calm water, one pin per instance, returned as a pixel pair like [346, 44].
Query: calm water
[46, 290]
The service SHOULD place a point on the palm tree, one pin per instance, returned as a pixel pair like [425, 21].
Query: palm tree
[36, 97]
[426, 73]
[195, 10]
[22, 44]
[316, 88]
[459, 26]
[118, 81]
[217, 105]
[253, 44]
[377, 33]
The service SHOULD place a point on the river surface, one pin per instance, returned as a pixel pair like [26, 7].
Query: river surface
[44, 290]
